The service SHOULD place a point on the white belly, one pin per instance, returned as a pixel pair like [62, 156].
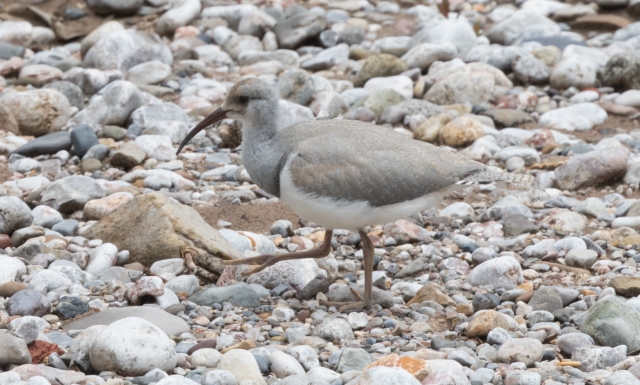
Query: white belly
[349, 215]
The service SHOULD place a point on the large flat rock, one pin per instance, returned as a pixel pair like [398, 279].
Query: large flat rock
[153, 228]
[168, 323]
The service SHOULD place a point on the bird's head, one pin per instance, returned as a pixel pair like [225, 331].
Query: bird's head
[244, 101]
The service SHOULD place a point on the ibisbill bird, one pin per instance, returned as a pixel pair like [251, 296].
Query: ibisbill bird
[341, 174]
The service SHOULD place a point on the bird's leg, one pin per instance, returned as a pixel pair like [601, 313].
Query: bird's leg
[367, 301]
[267, 260]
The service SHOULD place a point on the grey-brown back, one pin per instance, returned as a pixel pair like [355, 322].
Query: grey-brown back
[355, 161]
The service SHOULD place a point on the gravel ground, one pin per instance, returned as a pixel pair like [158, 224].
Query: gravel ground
[110, 244]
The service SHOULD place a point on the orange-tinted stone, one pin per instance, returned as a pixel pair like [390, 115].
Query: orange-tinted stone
[417, 367]
[5, 241]
[39, 350]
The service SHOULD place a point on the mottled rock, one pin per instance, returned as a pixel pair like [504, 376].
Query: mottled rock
[168, 226]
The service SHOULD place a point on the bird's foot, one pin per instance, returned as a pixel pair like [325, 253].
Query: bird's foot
[188, 254]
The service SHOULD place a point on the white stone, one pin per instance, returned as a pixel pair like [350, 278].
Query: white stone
[502, 272]
[12, 269]
[423, 55]
[357, 320]
[206, 357]
[182, 13]
[242, 365]
[151, 72]
[575, 71]
[629, 98]
[401, 84]
[157, 146]
[101, 258]
[283, 365]
[218, 377]
[47, 280]
[579, 117]
[16, 32]
[132, 346]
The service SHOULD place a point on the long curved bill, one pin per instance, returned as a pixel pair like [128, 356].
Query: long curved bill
[215, 116]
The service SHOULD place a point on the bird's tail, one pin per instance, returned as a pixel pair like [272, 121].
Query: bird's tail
[518, 184]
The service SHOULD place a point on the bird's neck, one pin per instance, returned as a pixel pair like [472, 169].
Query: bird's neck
[261, 153]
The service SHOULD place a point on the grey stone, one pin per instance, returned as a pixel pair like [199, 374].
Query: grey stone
[396, 113]
[14, 214]
[546, 298]
[621, 71]
[612, 322]
[44, 145]
[112, 105]
[518, 224]
[67, 227]
[296, 86]
[28, 302]
[353, 359]
[71, 91]
[239, 294]
[594, 167]
[593, 207]
[98, 151]
[569, 342]
[122, 7]
[344, 294]
[83, 138]
[327, 58]
[71, 193]
[122, 50]
[594, 357]
[320, 284]
[13, 349]
[484, 301]
[581, 258]
[169, 324]
[293, 31]
[8, 50]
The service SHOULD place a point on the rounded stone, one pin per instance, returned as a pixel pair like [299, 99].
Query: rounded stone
[28, 302]
[132, 346]
[38, 112]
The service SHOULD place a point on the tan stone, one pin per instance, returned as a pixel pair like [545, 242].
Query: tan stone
[432, 292]
[429, 130]
[246, 345]
[461, 132]
[417, 367]
[153, 228]
[625, 285]
[631, 240]
[10, 288]
[484, 321]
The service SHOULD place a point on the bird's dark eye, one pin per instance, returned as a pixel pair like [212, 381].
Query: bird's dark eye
[243, 100]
